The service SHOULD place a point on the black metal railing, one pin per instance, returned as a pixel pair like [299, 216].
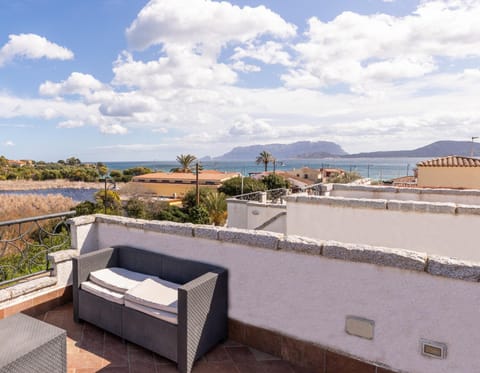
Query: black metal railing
[313, 189]
[26, 243]
[270, 196]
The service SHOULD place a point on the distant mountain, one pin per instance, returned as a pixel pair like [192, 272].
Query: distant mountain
[301, 149]
[436, 149]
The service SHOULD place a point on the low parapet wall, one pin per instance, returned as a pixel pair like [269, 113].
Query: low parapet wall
[256, 215]
[446, 229]
[310, 290]
[466, 196]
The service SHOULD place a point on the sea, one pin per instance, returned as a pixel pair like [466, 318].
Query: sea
[374, 168]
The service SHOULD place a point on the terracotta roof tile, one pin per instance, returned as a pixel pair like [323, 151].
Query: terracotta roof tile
[203, 175]
[451, 161]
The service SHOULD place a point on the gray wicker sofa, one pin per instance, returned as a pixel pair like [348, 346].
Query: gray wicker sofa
[202, 303]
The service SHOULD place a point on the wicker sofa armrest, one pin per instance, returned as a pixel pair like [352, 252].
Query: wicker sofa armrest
[202, 316]
[86, 263]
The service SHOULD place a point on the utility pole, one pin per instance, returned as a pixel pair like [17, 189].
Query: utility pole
[197, 189]
[471, 149]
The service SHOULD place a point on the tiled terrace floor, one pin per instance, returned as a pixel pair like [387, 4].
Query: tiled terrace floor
[90, 349]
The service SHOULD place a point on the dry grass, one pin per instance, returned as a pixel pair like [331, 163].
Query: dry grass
[47, 184]
[31, 205]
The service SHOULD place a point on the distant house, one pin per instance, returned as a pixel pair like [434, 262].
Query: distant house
[314, 175]
[405, 182]
[306, 173]
[176, 184]
[449, 172]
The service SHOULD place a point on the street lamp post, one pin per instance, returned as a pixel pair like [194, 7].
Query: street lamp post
[471, 149]
[110, 180]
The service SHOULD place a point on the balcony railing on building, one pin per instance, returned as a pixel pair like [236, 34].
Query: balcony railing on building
[26, 243]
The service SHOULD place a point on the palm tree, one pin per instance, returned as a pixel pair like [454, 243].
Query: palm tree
[265, 158]
[185, 161]
[216, 205]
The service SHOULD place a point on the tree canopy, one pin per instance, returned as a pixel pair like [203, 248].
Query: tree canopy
[265, 158]
[185, 161]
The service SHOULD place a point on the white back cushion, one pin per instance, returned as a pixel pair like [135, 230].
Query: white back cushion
[117, 279]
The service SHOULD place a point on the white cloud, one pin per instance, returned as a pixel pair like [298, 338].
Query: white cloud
[113, 129]
[76, 83]
[9, 143]
[245, 125]
[32, 46]
[71, 123]
[190, 35]
[182, 68]
[356, 49]
[269, 53]
[244, 67]
[206, 24]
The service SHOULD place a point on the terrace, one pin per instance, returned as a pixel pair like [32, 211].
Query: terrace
[296, 304]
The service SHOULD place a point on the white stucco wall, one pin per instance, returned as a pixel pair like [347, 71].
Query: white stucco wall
[452, 235]
[251, 215]
[308, 297]
[468, 197]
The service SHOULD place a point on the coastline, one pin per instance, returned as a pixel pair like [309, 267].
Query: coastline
[48, 184]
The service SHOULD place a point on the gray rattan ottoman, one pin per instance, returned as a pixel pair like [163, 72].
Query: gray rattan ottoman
[30, 345]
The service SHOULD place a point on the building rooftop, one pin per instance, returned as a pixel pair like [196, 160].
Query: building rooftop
[210, 175]
[451, 161]
[90, 349]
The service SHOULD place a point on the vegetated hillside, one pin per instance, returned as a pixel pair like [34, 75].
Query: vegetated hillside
[301, 149]
[436, 149]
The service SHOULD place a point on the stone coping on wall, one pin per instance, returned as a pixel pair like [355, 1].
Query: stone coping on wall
[380, 256]
[391, 205]
[391, 189]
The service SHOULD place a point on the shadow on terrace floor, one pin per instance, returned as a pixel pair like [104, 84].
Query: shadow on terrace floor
[89, 349]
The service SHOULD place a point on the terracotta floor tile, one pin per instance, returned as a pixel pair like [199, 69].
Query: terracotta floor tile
[109, 369]
[240, 354]
[167, 369]
[276, 366]
[215, 367]
[90, 349]
[142, 367]
[263, 356]
[250, 367]
[218, 354]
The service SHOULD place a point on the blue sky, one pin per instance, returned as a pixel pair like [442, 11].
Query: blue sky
[108, 80]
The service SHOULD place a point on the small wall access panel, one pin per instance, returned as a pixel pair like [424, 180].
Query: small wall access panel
[359, 327]
[437, 350]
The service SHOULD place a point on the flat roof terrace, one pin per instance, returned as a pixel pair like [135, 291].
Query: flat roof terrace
[90, 349]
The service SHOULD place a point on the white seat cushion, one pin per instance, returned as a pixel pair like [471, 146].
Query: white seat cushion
[117, 279]
[159, 314]
[155, 293]
[102, 292]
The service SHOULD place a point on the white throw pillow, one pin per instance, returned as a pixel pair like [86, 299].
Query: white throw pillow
[155, 293]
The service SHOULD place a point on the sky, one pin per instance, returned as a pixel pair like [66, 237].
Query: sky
[120, 80]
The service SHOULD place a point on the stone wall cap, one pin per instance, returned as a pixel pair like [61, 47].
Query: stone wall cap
[62, 255]
[301, 244]
[263, 239]
[383, 256]
[367, 203]
[81, 220]
[453, 268]
[206, 231]
[170, 227]
[420, 206]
